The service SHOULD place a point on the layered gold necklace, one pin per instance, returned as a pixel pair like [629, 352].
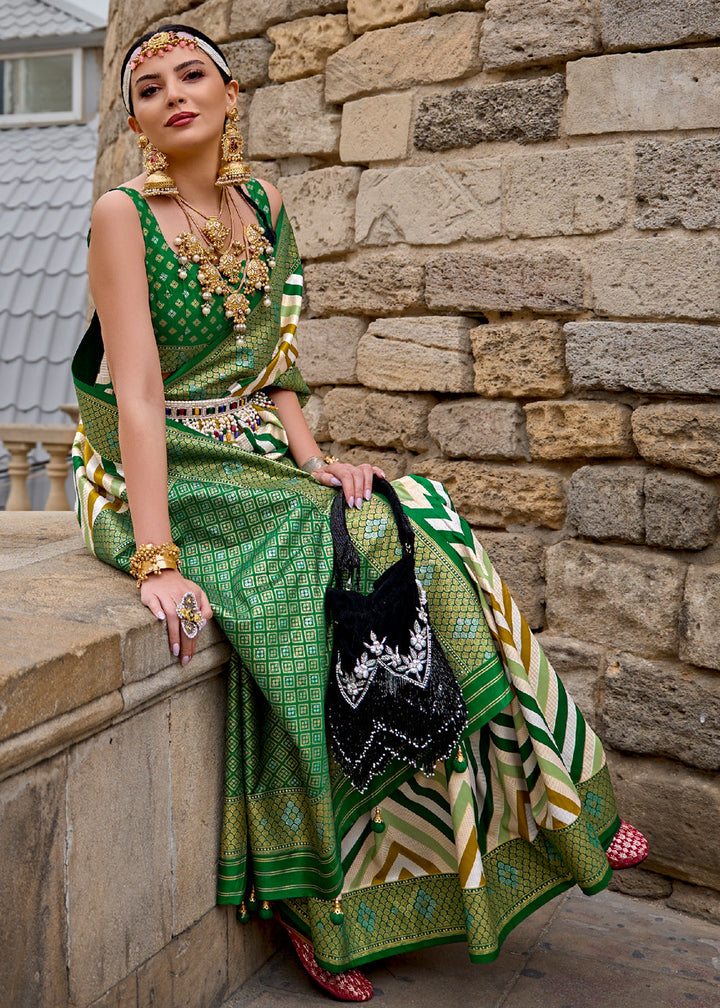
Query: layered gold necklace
[228, 268]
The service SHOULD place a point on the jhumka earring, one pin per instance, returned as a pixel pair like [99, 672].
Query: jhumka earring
[158, 182]
[233, 170]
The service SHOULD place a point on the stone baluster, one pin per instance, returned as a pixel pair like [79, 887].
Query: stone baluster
[19, 469]
[19, 439]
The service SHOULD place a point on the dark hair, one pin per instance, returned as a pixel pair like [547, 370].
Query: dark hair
[174, 28]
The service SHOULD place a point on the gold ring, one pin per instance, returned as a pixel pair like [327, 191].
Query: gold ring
[189, 613]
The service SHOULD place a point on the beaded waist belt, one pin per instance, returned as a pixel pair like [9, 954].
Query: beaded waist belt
[223, 419]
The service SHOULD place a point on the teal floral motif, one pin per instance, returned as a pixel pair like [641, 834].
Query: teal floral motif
[593, 804]
[425, 904]
[507, 875]
[425, 572]
[375, 528]
[366, 916]
[466, 627]
[292, 816]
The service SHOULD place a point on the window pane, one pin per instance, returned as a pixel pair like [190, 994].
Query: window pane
[36, 84]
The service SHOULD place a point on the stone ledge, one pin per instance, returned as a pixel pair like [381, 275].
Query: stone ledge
[97, 653]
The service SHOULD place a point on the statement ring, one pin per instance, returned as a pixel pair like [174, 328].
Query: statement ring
[189, 613]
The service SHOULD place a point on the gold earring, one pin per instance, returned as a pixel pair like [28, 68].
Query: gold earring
[158, 182]
[233, 170]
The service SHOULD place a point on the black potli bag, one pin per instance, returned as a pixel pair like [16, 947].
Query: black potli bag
[391, 693]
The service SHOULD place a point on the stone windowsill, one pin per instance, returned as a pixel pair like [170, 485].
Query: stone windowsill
[79, 650]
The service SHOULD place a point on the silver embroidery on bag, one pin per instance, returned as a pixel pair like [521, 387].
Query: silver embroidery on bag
[413, 668]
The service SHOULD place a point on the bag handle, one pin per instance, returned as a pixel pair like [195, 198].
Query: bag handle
[346, 563]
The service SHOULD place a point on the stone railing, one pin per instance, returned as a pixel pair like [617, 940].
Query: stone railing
[19, 440]
[111, 758]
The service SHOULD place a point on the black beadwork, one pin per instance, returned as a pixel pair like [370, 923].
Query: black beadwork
[391, 693]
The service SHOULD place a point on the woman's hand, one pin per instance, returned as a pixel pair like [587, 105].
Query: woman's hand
[162, 593]
[356, 481]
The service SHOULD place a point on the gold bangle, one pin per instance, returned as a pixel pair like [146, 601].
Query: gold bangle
[151, 559]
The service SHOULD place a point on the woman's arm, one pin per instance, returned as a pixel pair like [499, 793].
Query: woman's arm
[118, 282]
[356, 481]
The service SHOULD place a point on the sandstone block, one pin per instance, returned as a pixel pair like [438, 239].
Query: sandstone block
[386, 60]
[394, 464]
[329, 350]
[381, 421]
[485, 281]
[122, 995]
[685, 846]
[499, 496]
[315, 416]
[249, 946]
[615, 595]
[32, 834]
[69, 665]
[576, 191]
[580, 666]
[321, 205]
[290, 119]
[636, 24]
[681, 512]
[248, 18]
[676, 183]
[248, 60]
[698, 622]
[434, 205]
[696, 900]
[577, 429]
[371, 286]
[657, 276]
[665, 357]
[302, 47]
[211, 17]
[437, 346]
[676, 89]
[192, 969]
[520, 359]
[537, 32]
[376, 128]
[606, 502]
[367, 14]
[197, 738]
[478, 429]
[519, 560]
[118, 797]
[641, 883]
[662, 710]
[527, 111]
[686, 435]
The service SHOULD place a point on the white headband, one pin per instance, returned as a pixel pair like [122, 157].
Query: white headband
[133, 60]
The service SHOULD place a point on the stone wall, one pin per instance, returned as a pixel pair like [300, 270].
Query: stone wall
[509, 217]
[111, 760]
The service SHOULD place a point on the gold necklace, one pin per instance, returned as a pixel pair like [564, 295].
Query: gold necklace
[228, 273]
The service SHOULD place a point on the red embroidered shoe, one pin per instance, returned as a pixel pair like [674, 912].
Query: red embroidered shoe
[628, 848]
[348, 986]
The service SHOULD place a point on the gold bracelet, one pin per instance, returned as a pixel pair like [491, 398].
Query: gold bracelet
[151, 559]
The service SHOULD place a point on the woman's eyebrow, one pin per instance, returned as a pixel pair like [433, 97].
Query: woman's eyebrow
[178, 68]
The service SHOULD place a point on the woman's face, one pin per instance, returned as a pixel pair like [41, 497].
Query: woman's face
[180, 100]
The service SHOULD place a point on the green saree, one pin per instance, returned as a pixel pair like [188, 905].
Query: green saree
[463, 854]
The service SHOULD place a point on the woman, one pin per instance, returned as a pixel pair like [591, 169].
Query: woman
[197, 473]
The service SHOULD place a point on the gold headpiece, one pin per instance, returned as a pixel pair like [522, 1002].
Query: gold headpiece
[160, 43]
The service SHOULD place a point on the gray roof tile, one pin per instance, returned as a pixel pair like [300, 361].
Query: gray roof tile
[21, 19]
[45, 196]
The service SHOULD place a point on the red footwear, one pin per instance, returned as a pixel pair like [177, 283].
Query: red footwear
[348, 986]
[628, 848]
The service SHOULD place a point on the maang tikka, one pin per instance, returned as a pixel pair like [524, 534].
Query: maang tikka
[158, 182]
[233, 170]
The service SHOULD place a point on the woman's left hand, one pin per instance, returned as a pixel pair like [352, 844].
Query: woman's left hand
[356, 481]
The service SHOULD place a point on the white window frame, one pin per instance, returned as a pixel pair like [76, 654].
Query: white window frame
[47, 118]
